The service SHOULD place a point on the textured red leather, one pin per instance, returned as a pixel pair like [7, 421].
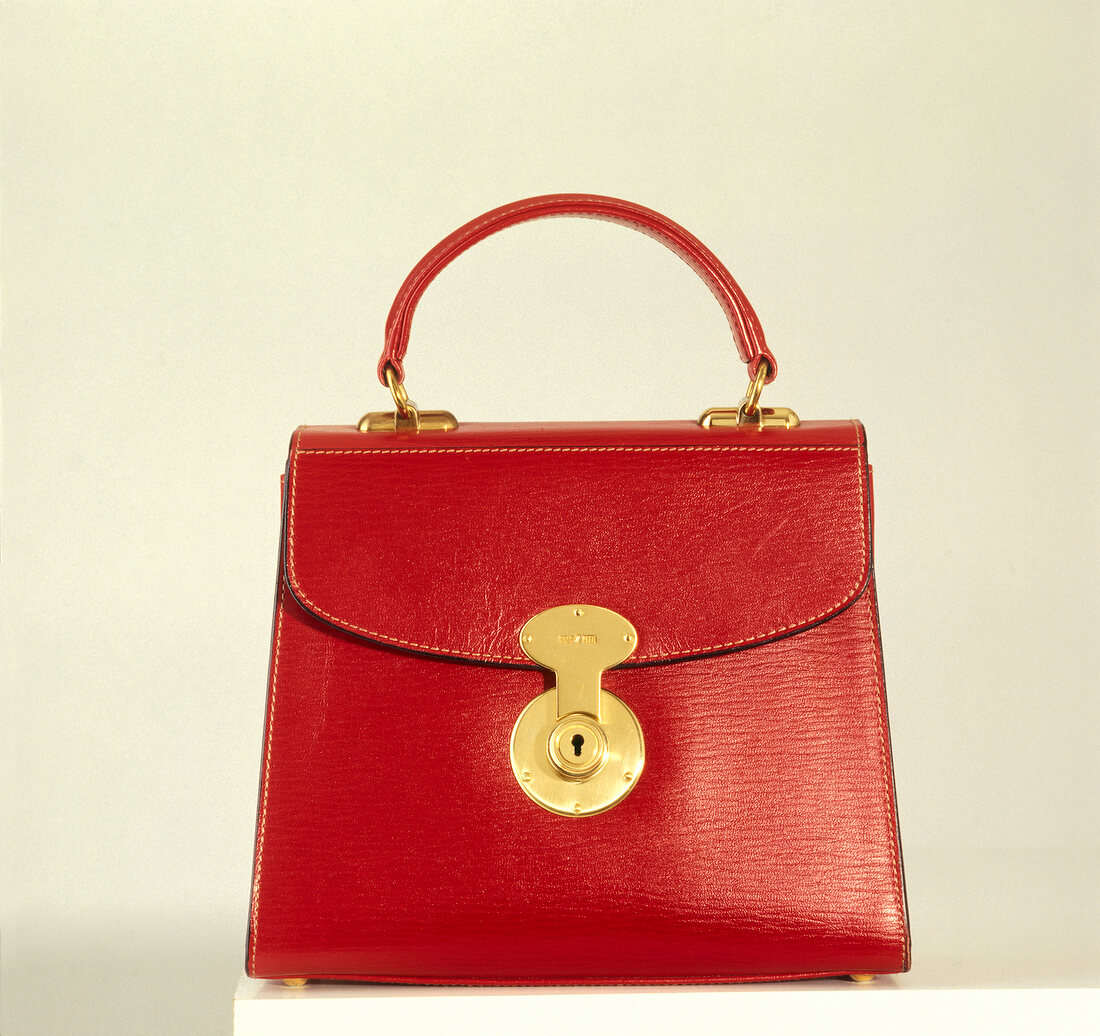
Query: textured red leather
[657, 568]
[393, 843]
[747, 332]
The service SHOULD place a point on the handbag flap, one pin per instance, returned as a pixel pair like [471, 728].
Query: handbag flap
[708, 541]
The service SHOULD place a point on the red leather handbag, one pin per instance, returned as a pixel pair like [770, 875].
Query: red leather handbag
[577, 703]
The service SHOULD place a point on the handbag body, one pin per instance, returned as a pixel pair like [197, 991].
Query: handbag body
[577, 703]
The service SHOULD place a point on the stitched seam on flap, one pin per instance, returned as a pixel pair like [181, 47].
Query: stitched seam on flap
[512, 659]
[267, 773]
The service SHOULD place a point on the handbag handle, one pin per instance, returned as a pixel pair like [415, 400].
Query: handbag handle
[747, 332]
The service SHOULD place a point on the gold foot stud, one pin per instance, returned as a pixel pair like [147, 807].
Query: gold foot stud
[861, 977]
[294, 981]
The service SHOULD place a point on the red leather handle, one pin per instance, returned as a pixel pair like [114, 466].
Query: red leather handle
[747, 332]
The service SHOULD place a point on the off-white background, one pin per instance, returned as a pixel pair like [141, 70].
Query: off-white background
[206, 212]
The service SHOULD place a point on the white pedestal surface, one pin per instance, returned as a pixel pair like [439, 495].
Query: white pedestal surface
[826, 1006]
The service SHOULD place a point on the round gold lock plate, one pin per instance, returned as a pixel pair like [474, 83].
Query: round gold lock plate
[577, 766]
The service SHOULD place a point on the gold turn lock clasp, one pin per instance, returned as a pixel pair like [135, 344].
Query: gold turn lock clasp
[577, 749]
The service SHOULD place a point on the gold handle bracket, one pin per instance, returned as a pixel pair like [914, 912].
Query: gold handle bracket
[749, 411]
[406, 416]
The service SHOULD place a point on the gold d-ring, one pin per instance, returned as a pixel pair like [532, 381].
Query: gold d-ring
[756, 386]
[749, 407]
[405, 406]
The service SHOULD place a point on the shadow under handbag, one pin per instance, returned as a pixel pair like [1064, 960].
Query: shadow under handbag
[577, 703]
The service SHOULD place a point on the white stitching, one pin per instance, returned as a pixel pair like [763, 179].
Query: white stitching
[880, 693]
[267, 772]
[262, 826]
[484, 657]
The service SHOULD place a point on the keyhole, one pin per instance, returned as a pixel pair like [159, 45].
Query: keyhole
[578, 743]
